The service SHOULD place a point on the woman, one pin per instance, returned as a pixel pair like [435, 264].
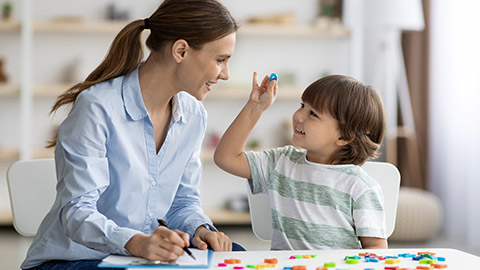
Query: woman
[129, 151]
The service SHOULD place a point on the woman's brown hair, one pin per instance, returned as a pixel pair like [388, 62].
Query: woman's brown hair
[195, 21]
[358, 110]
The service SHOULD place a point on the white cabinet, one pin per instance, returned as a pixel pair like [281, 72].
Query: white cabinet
[298, 54]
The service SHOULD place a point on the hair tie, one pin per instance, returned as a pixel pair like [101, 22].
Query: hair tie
[147, 25]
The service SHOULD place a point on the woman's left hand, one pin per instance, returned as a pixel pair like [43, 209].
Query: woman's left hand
[218, 241]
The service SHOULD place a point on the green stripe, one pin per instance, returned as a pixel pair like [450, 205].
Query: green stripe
[295, 155]
[311, 193]
[323, 235]
[368, 201]
[255, 187]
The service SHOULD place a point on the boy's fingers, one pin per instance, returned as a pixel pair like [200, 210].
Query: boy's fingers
[265, 81]
[272, 87]
[255, 80]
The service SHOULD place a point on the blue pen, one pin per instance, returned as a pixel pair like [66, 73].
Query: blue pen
[162, 222]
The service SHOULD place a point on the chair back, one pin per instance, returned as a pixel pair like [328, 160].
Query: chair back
[385, 173]
[31, 186]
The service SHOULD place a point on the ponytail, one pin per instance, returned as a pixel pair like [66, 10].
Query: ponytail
[125, 54]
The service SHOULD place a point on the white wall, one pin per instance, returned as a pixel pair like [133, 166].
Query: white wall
[454, 109]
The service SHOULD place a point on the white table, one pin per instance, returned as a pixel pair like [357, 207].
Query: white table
[455, 259]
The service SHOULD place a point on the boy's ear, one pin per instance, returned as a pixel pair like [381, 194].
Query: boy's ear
[342, 142]
[179, 50]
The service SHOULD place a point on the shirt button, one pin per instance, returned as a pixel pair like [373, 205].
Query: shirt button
[150, 214]
[154, 183]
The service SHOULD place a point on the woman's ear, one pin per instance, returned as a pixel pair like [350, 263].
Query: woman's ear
[179, 50]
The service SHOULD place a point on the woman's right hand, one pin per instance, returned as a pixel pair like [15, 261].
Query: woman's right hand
[164, 245]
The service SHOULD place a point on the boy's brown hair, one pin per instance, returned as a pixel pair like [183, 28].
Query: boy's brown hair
[358, 110]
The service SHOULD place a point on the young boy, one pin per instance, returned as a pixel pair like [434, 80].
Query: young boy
[319, 196]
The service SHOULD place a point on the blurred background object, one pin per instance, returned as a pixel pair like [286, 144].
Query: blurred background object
[7, 10]
[419, 216]
[115, 12]
[3, 75]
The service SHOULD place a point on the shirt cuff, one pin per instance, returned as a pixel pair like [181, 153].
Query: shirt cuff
[210, 227]
[119, 239]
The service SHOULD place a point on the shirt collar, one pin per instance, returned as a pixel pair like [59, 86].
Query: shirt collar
[178, 113]
[133, 101]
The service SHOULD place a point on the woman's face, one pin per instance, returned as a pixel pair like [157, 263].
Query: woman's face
[203, 68]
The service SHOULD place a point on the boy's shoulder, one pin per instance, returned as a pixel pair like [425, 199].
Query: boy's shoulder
[355, 173]
[359, 173]
[288, 151]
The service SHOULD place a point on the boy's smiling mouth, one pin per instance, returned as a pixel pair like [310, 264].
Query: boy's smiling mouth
[299, 131]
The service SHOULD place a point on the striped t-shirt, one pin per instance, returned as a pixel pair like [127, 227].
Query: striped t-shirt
[316, 206]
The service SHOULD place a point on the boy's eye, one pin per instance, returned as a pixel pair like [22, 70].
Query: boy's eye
[302, 105]
[313, 113]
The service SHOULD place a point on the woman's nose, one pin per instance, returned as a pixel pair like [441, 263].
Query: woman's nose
[224, 73]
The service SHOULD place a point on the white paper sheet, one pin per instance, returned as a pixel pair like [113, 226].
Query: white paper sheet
[185, 260]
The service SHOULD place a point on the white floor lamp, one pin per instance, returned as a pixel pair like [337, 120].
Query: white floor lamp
[389, 18]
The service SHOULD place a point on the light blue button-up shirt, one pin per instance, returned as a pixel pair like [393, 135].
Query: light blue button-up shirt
[112, 184]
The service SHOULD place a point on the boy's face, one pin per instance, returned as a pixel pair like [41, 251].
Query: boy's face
[317, 133]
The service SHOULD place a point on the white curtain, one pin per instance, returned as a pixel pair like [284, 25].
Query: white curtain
[455, 115]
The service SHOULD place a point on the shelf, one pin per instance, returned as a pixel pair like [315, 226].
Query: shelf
[105, 27]
[9, 26]
[51, 90]
[220, 217]
[43, 90]
[113, 27]
[9, 155]
[286, 93]
[80, 27]
[227, 217]
[277, 30]
[5, 217]
[7, 90]
[54, 90]
[42, 153]
[12, 155]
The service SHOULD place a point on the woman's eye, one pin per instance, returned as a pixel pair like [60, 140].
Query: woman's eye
[221, 60]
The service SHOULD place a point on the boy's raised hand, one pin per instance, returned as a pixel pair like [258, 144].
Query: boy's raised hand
[263, 95]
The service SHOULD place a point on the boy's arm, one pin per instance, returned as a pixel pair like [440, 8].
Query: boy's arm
[373, 243]
[229, 154]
